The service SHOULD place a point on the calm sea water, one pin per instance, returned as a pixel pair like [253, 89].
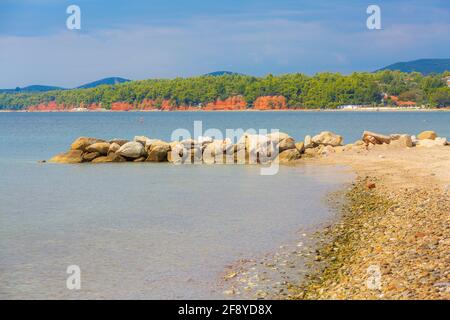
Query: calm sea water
[156, 230]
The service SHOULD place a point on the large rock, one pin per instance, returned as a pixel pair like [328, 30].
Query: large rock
[82, 143]
[427, 135]
[100, 147]
[71, 156]
[158, 154]
[375, 138]
[308, 142]
[113, 147]
[428, 143]
[89, 156]
[132, 150]
[300, 146]
[286, 144]
[120, 142]
[401, 140]
[112, 157]
[327, 138]
[288, 155]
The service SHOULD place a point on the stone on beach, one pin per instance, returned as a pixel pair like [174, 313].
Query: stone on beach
[375, 138]
[308, 142]
[427, 135]
[113, 147]
[401, 140]
[288, 156]
[131, 149]
[327, 138]
[300, 146]
[428, 143]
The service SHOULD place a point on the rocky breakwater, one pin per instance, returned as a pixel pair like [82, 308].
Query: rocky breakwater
[249, 149]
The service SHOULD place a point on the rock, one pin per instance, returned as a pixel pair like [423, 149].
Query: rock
[375, 138]
[327, 138]
[431, 135]
[308, 142]
[359, 143]
[140, 159]
[311, 152]
[403, 140]
[132, 150]
[428, 143]
[83, 142]
[87, 157]
[158, 143]
[326, 150]
[112, 157]
[100, 147]
[142, 140]
[120, 142]
[300, 146]
[370, 185]
[286, 144]
[113, 147]
[211, 152]
[71, 156]
[175, 155]
[288, 155]
[204, 140]
[157, 153]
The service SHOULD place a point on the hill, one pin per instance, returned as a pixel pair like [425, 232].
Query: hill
[424, 66]
[221, 73]
[107, 81]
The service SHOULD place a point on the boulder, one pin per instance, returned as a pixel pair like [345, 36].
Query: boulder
[300, 146]
[157, 154]
[176, 152]
[131, 150]
[327, 138]
[431, 135]
[286, 144]
[112, 157]
[113, 147]
[401, 140]
[308, 142]
[326, 150]
[142, 140]
[83, 142]
[277, 136]
[89, 156]
[120, 142]
[288, 156]
[140, 159]
[375, 138]
[100, 147]
[158, 143]
[428, 143]
[71, 156]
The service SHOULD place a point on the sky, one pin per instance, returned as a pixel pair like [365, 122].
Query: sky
[138, 39]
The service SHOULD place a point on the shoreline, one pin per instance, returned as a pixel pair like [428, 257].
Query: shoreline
[249, 110]
[391, 222]
[392, 240]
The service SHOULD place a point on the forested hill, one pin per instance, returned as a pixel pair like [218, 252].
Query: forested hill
[424, 66]
[229, 92]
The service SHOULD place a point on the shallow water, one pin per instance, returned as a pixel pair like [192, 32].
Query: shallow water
[155, 230]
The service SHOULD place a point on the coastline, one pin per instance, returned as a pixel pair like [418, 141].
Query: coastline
[393, 219]
[394, 224]
[393, 109]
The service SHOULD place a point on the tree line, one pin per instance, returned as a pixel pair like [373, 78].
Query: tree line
[323, 90]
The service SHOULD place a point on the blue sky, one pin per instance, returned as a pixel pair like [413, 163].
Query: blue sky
[164, 39]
